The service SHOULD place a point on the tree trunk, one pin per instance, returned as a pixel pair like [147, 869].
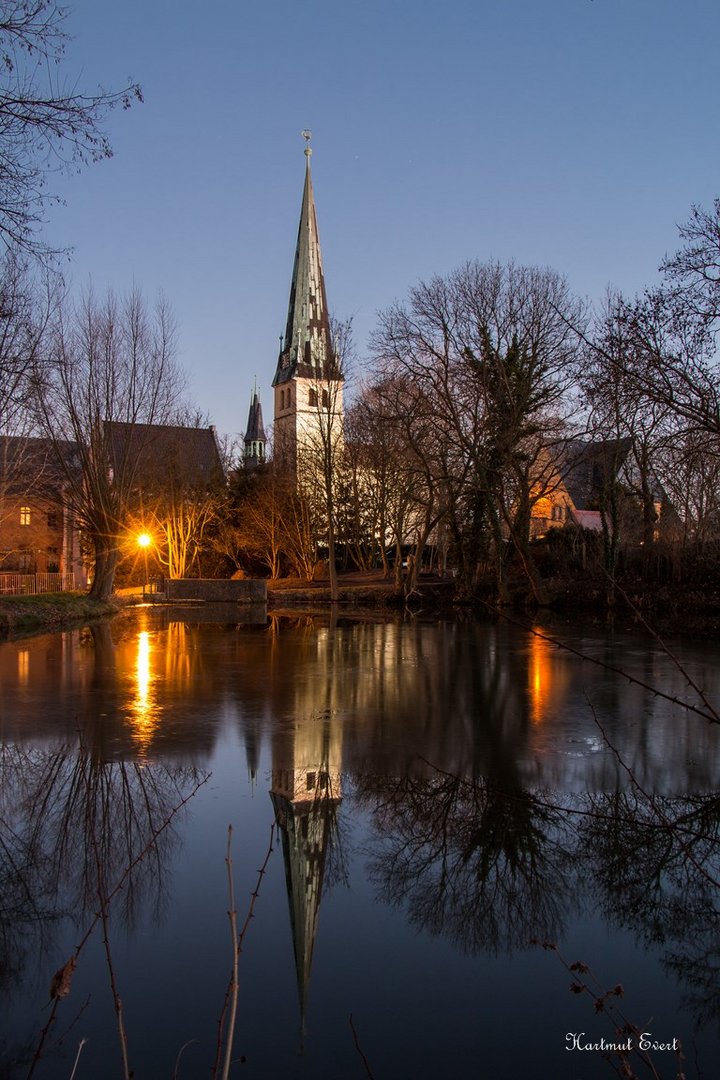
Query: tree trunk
[106, 560]
[332, 569]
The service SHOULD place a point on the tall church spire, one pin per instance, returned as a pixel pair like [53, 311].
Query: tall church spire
[306, 350]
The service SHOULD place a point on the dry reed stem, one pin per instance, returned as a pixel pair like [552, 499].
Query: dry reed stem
[77, 1058]
[226, 1025]
[181, 1051]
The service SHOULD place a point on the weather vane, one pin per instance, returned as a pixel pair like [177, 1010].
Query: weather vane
[307, 136]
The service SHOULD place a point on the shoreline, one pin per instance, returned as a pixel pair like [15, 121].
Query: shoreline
[48, 612]
[661, 610]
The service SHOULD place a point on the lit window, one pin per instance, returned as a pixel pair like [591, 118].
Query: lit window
[24, 515]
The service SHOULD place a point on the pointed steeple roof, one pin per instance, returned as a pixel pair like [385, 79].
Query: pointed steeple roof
[255, 431]
[306, 350]
[255, 440]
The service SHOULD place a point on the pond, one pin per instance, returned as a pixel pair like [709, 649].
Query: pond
[456, 848]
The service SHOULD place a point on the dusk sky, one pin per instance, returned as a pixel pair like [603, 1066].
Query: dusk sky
[573, 134]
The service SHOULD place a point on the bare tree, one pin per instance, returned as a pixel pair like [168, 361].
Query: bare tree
[484, 357]
[110, 360]
[384, 495]
[694, 270]
[24, 307]
[634, 426]
[257, 525]
[25, 304]
[670, 332]
[47, 124]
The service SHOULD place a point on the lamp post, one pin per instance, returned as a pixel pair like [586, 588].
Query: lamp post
[144, 540]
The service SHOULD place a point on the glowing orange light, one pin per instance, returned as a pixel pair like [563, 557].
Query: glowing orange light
[144, 540]
[540, 675]
[144, 709]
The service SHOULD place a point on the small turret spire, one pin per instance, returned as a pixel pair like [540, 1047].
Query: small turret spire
[255, 440]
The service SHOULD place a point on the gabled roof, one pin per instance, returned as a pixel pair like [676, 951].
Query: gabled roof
[30, 464]
[163, 454]
[306, 351]
[587, 467]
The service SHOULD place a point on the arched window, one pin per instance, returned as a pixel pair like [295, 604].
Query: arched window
[282, 399]
[312, 397]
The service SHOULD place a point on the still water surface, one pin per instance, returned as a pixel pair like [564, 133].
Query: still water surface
[436, 798]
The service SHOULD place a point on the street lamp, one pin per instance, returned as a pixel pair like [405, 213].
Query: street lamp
[144, 541]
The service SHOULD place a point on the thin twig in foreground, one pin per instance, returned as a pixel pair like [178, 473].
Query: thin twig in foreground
[711, 716]
[666, 822]
[226, 1035]
[668, 652]
[359, 1048]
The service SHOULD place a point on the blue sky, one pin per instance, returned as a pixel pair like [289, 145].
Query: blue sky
[573, 134]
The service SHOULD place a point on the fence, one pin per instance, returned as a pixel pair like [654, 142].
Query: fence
[29, 584]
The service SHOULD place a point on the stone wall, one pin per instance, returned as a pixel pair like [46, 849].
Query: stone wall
[217, 590]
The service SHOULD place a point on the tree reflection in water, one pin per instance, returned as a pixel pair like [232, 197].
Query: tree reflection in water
[655, 863]
[78, 832]
[486, 869]
[493, 870]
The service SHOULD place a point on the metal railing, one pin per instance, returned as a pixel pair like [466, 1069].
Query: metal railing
[30, 584]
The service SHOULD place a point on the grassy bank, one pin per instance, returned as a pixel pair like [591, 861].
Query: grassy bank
[48, 611]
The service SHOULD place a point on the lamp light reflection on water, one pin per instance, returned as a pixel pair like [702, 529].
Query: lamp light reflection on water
[23, 658]
[539, 678]
[144, 706]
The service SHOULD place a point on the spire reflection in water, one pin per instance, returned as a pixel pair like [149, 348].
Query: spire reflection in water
[478, 805]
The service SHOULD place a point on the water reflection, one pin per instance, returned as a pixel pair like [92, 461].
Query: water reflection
[481, 865]
[145, 708]
[462, 762]
[492, 869]
[306, 793]
[479, 699]
[74, 829]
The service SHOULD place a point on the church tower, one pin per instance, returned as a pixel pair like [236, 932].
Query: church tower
[255, 441]
[308, 380]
